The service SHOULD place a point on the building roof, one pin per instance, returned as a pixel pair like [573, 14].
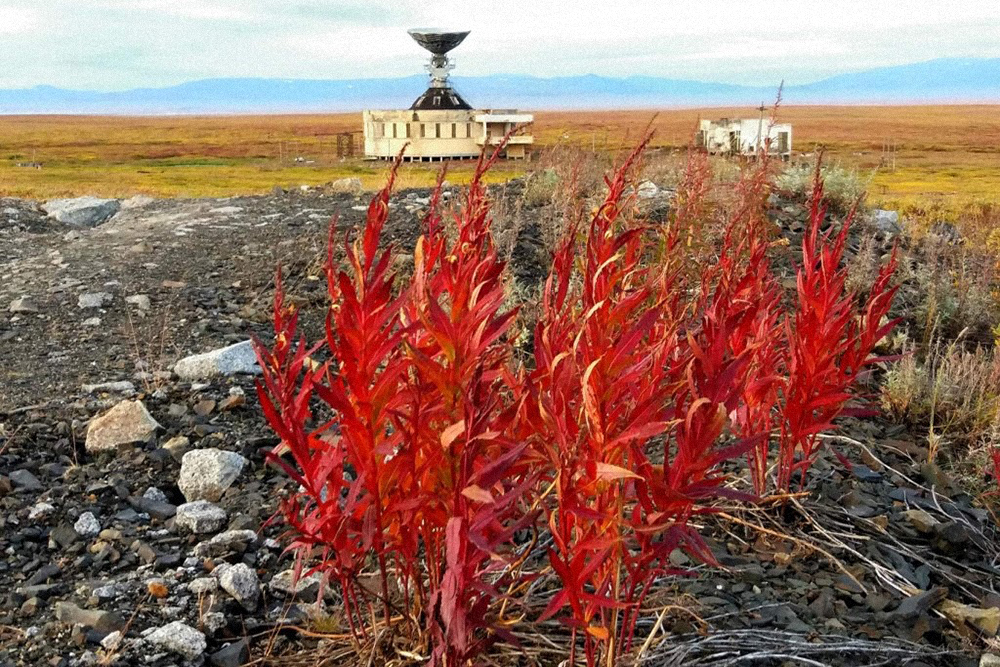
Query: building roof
[440, 99]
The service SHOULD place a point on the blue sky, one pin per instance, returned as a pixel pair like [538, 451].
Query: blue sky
[119, 44]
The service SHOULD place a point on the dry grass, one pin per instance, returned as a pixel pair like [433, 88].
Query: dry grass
[947, 155]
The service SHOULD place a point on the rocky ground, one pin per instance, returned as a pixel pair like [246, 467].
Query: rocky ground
[134, 498]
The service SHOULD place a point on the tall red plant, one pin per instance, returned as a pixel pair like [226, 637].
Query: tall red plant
[829, 341]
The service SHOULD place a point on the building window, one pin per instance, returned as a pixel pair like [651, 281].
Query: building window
[423, 130]
[468, 130]
[393, 130]
[437, 130]
[381, 130]
[407, 130]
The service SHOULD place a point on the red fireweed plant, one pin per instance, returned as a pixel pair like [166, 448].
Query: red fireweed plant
[423, 399]
[829, 341]
[421, 447]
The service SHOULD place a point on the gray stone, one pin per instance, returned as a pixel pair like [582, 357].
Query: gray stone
[40, 511]
[886, 222]
[23, 304]
[177, 446]
[207, 473]
[154, 494]
[126, 423]
[87, 525]
[232, 360]
[241, 582]
[231, 541]
[92, 322]
[351, 185]
[102, 621]
[81, 211]
[235, 654]
[179, 638]
[138, 201]
[94, 300]
[24, 480]
[647, 190]
[200, 517]
[140, 301]
[284, 584]
[121, 387]
[203, 585]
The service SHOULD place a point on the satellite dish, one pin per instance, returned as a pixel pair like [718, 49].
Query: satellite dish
[438, 42]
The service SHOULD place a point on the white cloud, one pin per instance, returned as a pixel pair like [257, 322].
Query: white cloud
[114, 44]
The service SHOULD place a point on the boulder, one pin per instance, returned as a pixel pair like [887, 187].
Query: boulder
[207, 473]
[81, 211]
[179, 638]
[232, 360]
[126, 423]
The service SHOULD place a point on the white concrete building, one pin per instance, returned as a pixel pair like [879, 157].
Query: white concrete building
[730, 136]
[440, 124]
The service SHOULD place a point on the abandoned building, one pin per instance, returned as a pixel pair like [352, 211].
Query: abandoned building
[440, 124]
[730, 136]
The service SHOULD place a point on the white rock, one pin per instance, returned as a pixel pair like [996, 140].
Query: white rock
[241, 582]
[23, 304]
[87, 525]
[179, 638]
[120, 387]
[40, 511]
[238, 358]
[94, 300]
[140, 301]
[92, 322]
[226, 210]
[350, 184]
[886, 221]
[153, 493]
[138, 201]
[126, 423]
[203, 585]
[111, 640]
[647, 190]
[207, 473]
[200, 517]
[82, 211]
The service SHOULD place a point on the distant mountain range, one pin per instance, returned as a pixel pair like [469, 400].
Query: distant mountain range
[964, 80]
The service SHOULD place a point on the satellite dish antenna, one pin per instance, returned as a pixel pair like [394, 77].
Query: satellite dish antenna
[439, 43]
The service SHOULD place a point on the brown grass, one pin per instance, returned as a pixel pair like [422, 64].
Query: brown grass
[943, 152]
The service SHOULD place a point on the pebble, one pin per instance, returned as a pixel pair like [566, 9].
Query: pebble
[179, 638]
[24, 480]
[87, 525]
[241, 582]
[23, 304]
[93, 300]
[235, 359]
[207, 473]
[126, 423]
[200, 517]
